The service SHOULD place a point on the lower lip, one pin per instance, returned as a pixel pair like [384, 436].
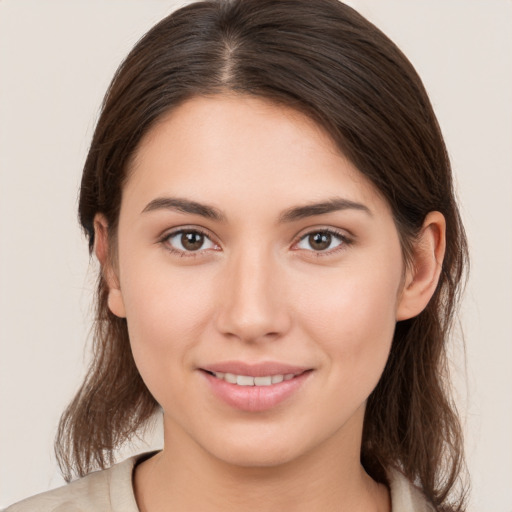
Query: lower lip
[255, 398]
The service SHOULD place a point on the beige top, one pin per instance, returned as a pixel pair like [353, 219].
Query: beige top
[111, 490]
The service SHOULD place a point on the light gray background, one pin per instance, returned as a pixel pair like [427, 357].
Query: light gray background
[56, 60]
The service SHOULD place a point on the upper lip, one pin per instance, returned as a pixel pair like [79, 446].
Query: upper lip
[254, 370]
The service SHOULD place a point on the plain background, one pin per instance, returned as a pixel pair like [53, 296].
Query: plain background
[56, 60]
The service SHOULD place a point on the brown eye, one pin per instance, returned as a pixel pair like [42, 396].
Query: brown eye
[186, 241]
[319, 241]
[192, 241]
[322, 241]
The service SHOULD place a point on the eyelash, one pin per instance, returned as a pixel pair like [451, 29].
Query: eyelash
[344, 242]
[184, 254]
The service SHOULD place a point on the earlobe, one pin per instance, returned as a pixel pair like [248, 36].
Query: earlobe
[104, 254]
[423, 272]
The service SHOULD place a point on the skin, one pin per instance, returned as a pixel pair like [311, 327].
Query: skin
[258, 290]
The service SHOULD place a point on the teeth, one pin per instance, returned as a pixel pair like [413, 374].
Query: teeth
[262, 381]
[246, 380]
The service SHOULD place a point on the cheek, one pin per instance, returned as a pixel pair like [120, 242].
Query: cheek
[167, 313]
[161, 307]
[351, 315]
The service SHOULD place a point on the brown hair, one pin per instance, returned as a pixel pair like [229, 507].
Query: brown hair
[324, 59]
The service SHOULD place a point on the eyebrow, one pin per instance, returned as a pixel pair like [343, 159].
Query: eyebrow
[292, 214]
[331, 205]
[185, 206]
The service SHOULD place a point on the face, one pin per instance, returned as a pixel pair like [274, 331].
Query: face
[260, 274]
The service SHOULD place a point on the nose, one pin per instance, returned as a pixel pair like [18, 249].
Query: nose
[252, 303]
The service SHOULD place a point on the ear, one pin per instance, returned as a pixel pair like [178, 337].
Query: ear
[104, 254]
[422, 273]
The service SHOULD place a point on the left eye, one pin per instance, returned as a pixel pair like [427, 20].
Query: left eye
[189, 241]
[320, 241]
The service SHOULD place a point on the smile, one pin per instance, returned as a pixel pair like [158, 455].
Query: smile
[247, 380]
[255, 388]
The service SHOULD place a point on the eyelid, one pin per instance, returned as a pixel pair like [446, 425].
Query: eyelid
[164, 238]
[345, 238]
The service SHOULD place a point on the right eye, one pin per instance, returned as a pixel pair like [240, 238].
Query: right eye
[186, 241]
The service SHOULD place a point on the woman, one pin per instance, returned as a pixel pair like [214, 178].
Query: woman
[270, 199]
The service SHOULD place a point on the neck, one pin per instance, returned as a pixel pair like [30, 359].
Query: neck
[329, 478]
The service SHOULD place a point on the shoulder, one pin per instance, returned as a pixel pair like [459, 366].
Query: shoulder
[406, 497]
[110, 490]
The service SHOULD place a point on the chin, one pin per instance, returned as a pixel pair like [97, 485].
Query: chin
[255, 457]
[255, 451]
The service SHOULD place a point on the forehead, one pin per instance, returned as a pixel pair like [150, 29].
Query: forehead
[229, 147]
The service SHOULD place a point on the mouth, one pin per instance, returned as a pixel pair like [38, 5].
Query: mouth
[255, 388]
[248, 380]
